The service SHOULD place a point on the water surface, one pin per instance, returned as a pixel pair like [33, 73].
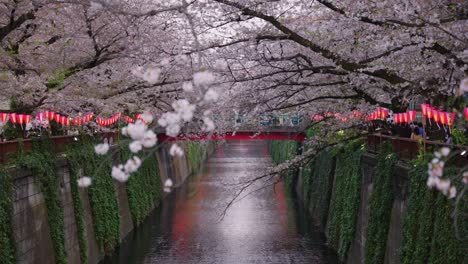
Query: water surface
[266, 226]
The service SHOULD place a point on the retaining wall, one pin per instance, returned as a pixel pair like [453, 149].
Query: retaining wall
[29, 217]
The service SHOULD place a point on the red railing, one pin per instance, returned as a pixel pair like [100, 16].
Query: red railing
[59, 143]
[406, 148]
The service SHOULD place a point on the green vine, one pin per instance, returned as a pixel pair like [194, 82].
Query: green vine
[7, 243]
[196, 152]
[381, 202]
[320, 185]
[41, 162]
[144, 188]
[75, 156]
[428, 232]
[281, 151]
[345, 199]
[102, 196]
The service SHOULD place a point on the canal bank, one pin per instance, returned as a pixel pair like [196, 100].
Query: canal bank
[46, 218]
[267, 226]
[376, 208]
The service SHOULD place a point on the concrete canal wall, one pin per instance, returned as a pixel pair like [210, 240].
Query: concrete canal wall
[29, 218]
[375, 208]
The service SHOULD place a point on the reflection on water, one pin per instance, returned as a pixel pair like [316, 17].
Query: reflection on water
[264, 227]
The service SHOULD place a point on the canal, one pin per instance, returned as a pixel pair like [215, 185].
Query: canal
[266, 226]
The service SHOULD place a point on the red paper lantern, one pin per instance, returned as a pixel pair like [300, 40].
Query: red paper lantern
[62, 120]
[466, 113]
[424, 108]
[13, 118]
[39, 116]
[51, 115]
[396, 118]
[20, 119]
[429, 112]
[384, 113]
[443, 117]
[27, 119]
[3, 117]
[435, 114]
[57, 118]
[67, 122]
[411, 115]
[451, 119]
[405, 117]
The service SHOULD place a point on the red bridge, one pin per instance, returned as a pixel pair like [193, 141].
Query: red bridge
[300, 136]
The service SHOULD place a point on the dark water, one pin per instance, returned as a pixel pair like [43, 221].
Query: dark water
[263, 227]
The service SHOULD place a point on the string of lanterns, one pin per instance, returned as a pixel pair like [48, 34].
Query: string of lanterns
[24, 119]
[431, 113]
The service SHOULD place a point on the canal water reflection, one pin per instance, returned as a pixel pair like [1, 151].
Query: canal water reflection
[264, 227]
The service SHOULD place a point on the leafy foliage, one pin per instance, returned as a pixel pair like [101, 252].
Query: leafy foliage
[41, 162]
[75, 157]
[103, 199]
[429, 234]
[281, 151]
[318, 185]
[345, 199]
[144, 188]
[196, 152]
[381, 202]
[7, 244]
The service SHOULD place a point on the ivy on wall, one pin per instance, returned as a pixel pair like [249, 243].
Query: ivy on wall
[320, 185]
[428, 231]
[144, 188]
[281, 151]
[75, 157]
[381, 202]
[345, 199]
[196, 152]
[7, 244]
[41, 162]
[102, 196]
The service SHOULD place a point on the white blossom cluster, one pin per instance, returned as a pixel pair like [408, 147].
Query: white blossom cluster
[168, 185]
[436, 172]
[84, 182]
[122, 172]
[173, 121]
[175, 150]
[140, 134]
